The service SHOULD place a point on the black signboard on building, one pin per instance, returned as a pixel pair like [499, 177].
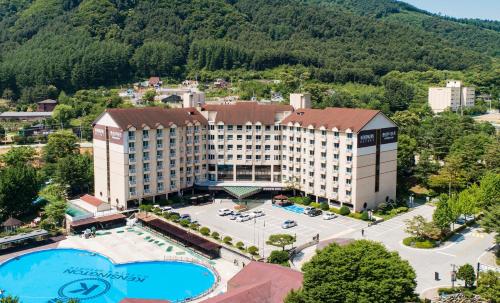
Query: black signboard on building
[389, 135]
[367, 138]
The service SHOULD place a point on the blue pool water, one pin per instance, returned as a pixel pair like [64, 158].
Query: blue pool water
[60, 274]
[292, 208]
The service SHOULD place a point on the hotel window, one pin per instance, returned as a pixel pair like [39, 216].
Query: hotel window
[172, 131]
[211, 147]
[323, 132]
[230, 147]
[335, 190]
[220, 146]
[348, 181]
[145, 133]
[335, 167]
[348, 170]
[267, 137]
[249, 157]
[311, 152]
[230, 157]
[323, 165]
[311, 142]
[349, 135]
[277, 137]
[146, 166]
[249, 137]
[146, 189]
[159, 175]
[267, 157]
[211, 137]
[239, 147]
[159, 143]
[220, 137]
[230, 137]
[277, 147]
[172, 141]
[220, 127]
[159, 165]
[146, 156]
[349, 147]
[323, 143]
[131, 147]
[239, 127]
[258, 147]
[145, 144]
[211, 127]
[211, 157]
[323, 155]
[257, 157]
[160, 186]
[277, 127]
[196, 129]
[239, 157]
[159, 132]
[131, 191]
[336, 156]
[348, 192]
[131, 135]
[249, 147]
[258, 137]
[131, 168]
[249, 127]
[268, 127]
[267, 147]
[172, 163]
[336, 145]
[349, 158]
[311, 131]
[220, 157]
[159, 154]
[277, 157]
[283, 167]
[323, 187]
[311, 174]
[146, 178]
[131, 180]
[335, 179]
[336, 134]
[229, 127]
[172, 173]
[131, 157]
[239, 137]
[257, 127]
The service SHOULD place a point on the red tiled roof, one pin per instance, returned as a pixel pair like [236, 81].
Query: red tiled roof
[240, 113]
[128, 300]
[341, 118]
[91, 200]
[260, 283]
[154, 116]
[154, 80]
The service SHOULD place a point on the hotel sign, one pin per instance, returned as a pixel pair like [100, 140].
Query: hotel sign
[367, 138]
[100, 132]
[115, 135]
[388, 135]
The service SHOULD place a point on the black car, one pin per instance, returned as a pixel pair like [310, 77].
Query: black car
[314, 212]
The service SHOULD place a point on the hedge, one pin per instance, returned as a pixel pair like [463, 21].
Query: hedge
[419, 243]
[344, 211]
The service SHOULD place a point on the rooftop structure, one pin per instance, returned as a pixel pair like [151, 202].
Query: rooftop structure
[47, 105]
[25, 116]
[260, 283]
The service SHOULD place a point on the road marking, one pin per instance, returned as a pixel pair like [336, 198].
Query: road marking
[447, 254]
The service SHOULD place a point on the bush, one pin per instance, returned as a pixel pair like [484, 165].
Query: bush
[324, 206]
[253, 250]
[344, 211]
[185, 223]
[300, 200]
[174, 217]
[334, 210]
[194, 226]
[215, 235]
[205, 231]
[419, 243]
[401, 209]
[279, 257]
[239, 245]
[227, 240]
[145, 207]
[382, 207]
[315, 205]
[365, 216]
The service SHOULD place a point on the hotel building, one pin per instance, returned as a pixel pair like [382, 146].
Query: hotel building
[340, 155]
[454, 97]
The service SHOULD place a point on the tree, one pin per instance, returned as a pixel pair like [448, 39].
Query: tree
[467, 274]
[10, 299]
[157, 58]
[468, 199]
[55, 210]
[62, 114]
[279, 257]
[488, 285]
[442, 215]
[18, 155]
[59, 145]
[452, 175]
[18, 188]
[398, 94]
[361, 271]
[281, 240]
[149, 96]
[76, 171]
[421, 228]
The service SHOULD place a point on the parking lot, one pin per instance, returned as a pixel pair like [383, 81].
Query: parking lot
[257, 231]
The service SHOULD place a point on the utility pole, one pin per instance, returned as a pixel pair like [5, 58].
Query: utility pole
[453, 274]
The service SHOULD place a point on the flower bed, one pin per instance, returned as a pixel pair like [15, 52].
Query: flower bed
[420, 243]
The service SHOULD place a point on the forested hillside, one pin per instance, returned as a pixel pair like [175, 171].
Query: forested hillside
[74, 44]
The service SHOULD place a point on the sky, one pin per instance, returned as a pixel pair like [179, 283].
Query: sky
[482, 9]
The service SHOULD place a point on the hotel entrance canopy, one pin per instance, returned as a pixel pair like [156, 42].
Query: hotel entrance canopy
[242, 192]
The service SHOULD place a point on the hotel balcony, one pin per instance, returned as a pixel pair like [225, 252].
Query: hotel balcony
[131, 149]
[132, 183]
[159, 146]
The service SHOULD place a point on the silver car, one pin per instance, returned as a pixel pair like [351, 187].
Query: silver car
[288, 224]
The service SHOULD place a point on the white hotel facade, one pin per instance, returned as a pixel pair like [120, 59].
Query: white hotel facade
[339, 155]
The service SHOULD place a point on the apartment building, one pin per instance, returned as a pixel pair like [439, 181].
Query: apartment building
[454, 96]
[339, 155]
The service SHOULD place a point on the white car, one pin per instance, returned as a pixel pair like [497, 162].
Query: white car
[166, 209]
[234, 216]
[307, 210]
[257, 213]
[329, 216]
[243, 218]
[224, 211]
[288, 224]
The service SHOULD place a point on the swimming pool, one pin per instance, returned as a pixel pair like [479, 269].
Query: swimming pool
[60, 274]
[292, 208]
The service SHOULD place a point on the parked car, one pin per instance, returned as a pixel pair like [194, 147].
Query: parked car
[185, 217]
[464, 219]
[307, 210]
[243, 218]
[166, 209]
[234, 216]
[315, 212]
[224, 212]
[329, 216]
[288, 224]
[257, 213]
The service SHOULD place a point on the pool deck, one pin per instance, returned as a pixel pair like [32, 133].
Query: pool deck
[122, 245]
